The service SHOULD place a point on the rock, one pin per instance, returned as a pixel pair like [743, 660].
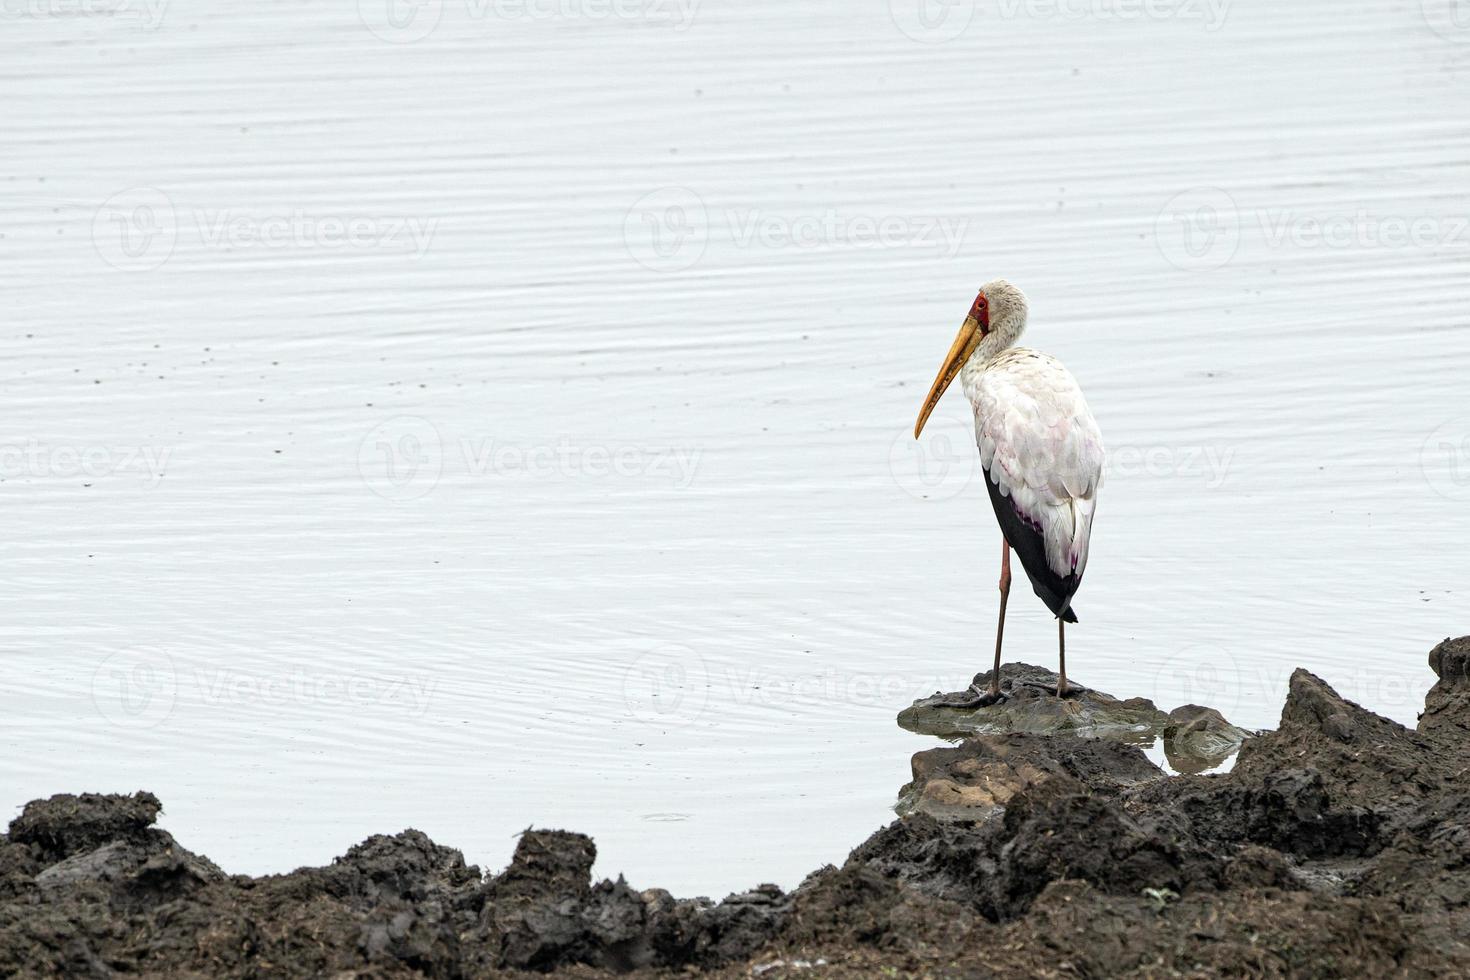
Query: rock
[543, 912]
[1030, 707]
[533, 911]
[1447, 705]
[1197, 738]
[406, 866]
[108, 843]
[1254, 866]
[110, 862]
[979, 776]
[18, 869]
[417, 936]
[63, 825]
[1053, 831]
[1051, 834]
[1362, 758]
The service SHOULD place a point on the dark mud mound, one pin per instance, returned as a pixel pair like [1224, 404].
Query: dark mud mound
[1339, 845]
[91, 889]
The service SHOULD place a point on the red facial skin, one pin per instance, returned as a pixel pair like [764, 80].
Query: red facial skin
[980, 310]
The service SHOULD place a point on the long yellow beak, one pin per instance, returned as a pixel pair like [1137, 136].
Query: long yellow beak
[964, 345]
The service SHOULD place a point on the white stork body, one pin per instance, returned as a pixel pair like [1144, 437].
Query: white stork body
[1041, 450]
[1043, 457]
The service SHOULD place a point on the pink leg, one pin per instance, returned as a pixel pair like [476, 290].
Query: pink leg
[1000, 627]
[1061, 657]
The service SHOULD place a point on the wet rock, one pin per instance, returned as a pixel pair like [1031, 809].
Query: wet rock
[1030, 706]
[1197, 738]
[978, 777]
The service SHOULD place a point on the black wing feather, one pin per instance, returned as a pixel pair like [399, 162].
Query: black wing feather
[1053, 589]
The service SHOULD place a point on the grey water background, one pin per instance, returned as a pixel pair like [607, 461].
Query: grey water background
[468, 415]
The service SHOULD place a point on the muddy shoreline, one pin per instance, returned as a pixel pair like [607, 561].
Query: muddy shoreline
[1339, 843]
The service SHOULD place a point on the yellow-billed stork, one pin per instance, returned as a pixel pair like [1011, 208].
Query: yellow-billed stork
[1041, 451]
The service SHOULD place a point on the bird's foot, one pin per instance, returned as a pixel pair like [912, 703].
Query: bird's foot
[986, 696]
[981, 698]
[992, 695]
[1070, 691]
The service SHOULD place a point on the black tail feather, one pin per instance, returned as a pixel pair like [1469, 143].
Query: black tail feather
[1053, 589]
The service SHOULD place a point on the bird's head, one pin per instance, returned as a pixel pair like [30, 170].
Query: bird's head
[995, 321]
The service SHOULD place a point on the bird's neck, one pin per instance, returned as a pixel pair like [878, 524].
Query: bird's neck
[1004, 333]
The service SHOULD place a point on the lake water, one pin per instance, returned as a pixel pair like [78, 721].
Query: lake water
[471, 415]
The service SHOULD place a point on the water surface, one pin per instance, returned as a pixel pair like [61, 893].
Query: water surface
[500, 418]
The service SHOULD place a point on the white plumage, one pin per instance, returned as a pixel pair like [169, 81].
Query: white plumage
[1041, 446]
